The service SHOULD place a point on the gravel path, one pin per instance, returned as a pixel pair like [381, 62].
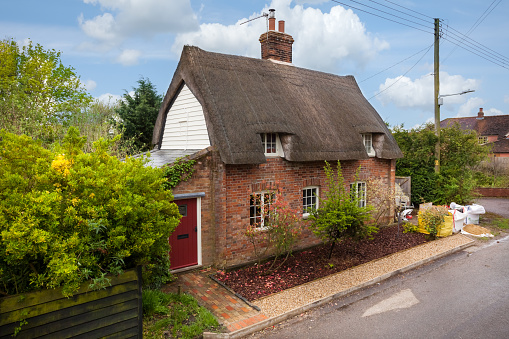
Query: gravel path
[282, 302]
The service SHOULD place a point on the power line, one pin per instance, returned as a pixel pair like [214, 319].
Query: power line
[394, 15]
[408, 9]
[362, 10]
[401, 77]
[480, 21]
[474, 52]
[472, 41]
[393, 65]
[397, 10]
[474, 26]
[469, 49]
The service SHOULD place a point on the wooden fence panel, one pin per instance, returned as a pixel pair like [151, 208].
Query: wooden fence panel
[115, 311]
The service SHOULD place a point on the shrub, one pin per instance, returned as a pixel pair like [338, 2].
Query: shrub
[381, 197]
[340, 215]
[432, 219]
[280, 232]
[67, 216]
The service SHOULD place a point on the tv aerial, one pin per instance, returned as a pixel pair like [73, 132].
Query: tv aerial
[270, 15]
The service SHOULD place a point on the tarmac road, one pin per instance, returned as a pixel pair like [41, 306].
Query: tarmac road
[465, 296]
[495, 205]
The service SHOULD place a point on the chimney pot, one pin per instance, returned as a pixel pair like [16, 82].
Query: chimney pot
[480, 114]
[272, 24]
[282, 26]
[272, 19]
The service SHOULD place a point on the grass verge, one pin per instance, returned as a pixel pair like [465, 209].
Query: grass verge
[169, 315]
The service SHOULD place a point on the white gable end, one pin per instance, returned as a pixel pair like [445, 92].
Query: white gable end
[185, 126]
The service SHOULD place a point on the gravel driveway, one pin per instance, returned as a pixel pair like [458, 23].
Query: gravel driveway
[495, 205]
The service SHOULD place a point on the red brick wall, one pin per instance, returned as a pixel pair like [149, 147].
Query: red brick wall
[225, 207]
[493, 192]
[243, 180]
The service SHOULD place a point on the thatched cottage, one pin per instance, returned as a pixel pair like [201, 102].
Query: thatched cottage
[255, 125]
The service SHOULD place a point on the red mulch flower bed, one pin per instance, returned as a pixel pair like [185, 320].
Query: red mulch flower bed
[253, 282]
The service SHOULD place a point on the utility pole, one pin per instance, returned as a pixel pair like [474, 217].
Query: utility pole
[437, 93]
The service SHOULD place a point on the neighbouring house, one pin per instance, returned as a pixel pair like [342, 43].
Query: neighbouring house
[491, 130]
[253, 126]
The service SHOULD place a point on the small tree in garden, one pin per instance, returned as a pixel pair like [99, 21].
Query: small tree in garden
[340, 215]
[280, 231]
[433, 218]
[381, 196]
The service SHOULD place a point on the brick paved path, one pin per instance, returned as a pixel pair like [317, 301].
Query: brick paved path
[229, 310]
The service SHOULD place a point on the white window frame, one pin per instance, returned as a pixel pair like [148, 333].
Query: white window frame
[482, 139]
[258, 212]
[267, 149]
[367, 141]
[314, 191]
[359, 189]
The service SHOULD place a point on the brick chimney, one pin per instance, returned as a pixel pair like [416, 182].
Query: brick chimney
[276, 45]
[480, 114]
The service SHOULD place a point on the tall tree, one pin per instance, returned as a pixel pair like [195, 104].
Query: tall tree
[37, 92]
[460, 154]
[138, 113]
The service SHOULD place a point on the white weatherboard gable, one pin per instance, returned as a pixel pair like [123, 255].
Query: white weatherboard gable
[185, 126]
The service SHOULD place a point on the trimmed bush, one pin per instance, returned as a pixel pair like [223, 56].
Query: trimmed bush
[68, 216]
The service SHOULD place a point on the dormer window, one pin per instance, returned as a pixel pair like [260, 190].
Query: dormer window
[271, 144]
[367, 140]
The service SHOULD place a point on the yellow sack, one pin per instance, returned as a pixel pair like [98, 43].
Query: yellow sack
[445, 228]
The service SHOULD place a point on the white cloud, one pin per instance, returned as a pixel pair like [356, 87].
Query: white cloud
[129, 57]
[90, 85]
[314, 32]
[470, 108]
[407, 93]
[109, 98]
[493, 111]
[133, 18]
[102, 27]
[506, 99]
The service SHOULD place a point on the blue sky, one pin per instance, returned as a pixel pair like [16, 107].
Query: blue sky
[112, 43]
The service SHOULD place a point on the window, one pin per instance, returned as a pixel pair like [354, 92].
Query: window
[309, 200]
[358, 190]
[483, 140]
[259, 204]
[367, 140]
[271, 144]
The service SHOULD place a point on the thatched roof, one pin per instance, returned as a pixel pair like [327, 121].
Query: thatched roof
[319, 116]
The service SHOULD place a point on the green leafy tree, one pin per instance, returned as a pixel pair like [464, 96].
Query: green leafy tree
[37, 92]
[340, 216]
[418, 147]
[460, 153]
[138, 114]
[67, 216]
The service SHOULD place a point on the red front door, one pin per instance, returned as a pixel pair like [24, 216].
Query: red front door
[184, 240]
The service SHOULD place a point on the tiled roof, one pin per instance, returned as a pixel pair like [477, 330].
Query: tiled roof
[487, 126]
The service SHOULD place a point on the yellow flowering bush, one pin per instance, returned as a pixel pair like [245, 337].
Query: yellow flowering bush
[68, 216]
